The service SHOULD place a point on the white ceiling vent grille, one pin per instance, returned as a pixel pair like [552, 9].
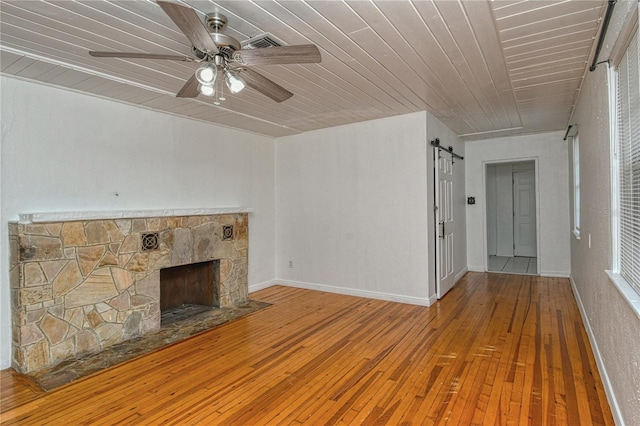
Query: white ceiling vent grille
[260, 41]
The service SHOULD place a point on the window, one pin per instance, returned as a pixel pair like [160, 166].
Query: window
[628, 153]
[576, 186]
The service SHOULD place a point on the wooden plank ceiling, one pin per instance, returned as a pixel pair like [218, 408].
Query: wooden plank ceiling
[485, 68]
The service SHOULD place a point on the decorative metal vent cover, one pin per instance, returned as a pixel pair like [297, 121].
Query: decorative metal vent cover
[263, 40]
[227, 232]
[150, 241]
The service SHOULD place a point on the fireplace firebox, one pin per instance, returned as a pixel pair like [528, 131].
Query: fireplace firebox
[187, 290]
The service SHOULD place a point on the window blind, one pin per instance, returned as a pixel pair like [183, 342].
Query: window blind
[628, 112]
[576, 185]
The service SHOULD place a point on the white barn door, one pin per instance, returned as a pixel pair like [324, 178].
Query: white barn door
[444, 222]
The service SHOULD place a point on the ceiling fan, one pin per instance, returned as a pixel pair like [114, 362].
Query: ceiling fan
[222, 54]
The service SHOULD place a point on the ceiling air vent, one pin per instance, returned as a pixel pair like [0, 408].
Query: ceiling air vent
[263, 40]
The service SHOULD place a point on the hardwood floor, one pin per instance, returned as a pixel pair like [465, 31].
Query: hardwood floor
[15, 390]
[498, 349]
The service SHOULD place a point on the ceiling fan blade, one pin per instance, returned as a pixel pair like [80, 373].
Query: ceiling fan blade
[298, 54]
[190, 89]
[265, 86]
[190, 24]
[139, 56]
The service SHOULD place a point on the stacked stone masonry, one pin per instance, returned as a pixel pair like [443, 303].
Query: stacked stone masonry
[80, 286]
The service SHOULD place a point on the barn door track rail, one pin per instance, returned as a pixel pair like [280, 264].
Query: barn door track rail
[436, 143]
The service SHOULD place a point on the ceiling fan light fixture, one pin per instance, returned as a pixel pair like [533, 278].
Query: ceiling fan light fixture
[213, 50]
[235, 83]
[206, 74]
[207, 89]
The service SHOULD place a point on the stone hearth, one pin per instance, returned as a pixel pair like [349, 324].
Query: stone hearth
[79, 286]
[70, 370]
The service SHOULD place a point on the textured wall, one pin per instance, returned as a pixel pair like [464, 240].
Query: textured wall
[613, 325]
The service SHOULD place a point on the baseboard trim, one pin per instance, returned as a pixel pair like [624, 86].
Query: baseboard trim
[555, 274]
[262, 285]
[359, 293]
[608, 388]
[475, 269]
[461, 274]
[433, 299]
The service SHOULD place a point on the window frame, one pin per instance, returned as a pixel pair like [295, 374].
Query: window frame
[629, 291]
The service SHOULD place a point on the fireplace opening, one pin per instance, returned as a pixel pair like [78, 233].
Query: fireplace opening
[188, 290]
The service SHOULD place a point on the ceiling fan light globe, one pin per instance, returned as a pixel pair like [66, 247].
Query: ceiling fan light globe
[206, 74]
[207, 89]
[235, 83]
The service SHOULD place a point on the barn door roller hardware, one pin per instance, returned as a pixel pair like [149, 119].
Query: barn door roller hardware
[436, 143]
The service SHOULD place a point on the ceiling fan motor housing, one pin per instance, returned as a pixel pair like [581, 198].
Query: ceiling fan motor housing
[216, 22]
[227, 45]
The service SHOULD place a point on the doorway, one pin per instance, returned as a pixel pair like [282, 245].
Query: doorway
[511, 217]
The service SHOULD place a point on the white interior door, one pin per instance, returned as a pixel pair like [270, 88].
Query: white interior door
[524, 213]
[444, 222]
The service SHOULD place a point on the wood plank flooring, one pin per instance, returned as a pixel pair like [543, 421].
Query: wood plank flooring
[16, 389]
[497, 349]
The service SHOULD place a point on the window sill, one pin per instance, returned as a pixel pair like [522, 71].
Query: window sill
[627, 292]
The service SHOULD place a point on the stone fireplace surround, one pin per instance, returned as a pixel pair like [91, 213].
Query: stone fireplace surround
[80, 282]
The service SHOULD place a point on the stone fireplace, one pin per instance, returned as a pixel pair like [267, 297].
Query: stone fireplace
[81, 284]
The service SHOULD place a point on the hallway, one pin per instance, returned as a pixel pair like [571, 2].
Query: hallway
[514, 265]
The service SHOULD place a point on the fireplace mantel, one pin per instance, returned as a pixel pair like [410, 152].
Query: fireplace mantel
[41, 217]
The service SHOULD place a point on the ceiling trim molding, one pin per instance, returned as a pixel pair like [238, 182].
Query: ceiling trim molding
[509, 129]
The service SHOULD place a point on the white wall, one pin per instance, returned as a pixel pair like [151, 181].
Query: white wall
[612, 324]
[550, 153]
[63, 151]
[352, 209]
